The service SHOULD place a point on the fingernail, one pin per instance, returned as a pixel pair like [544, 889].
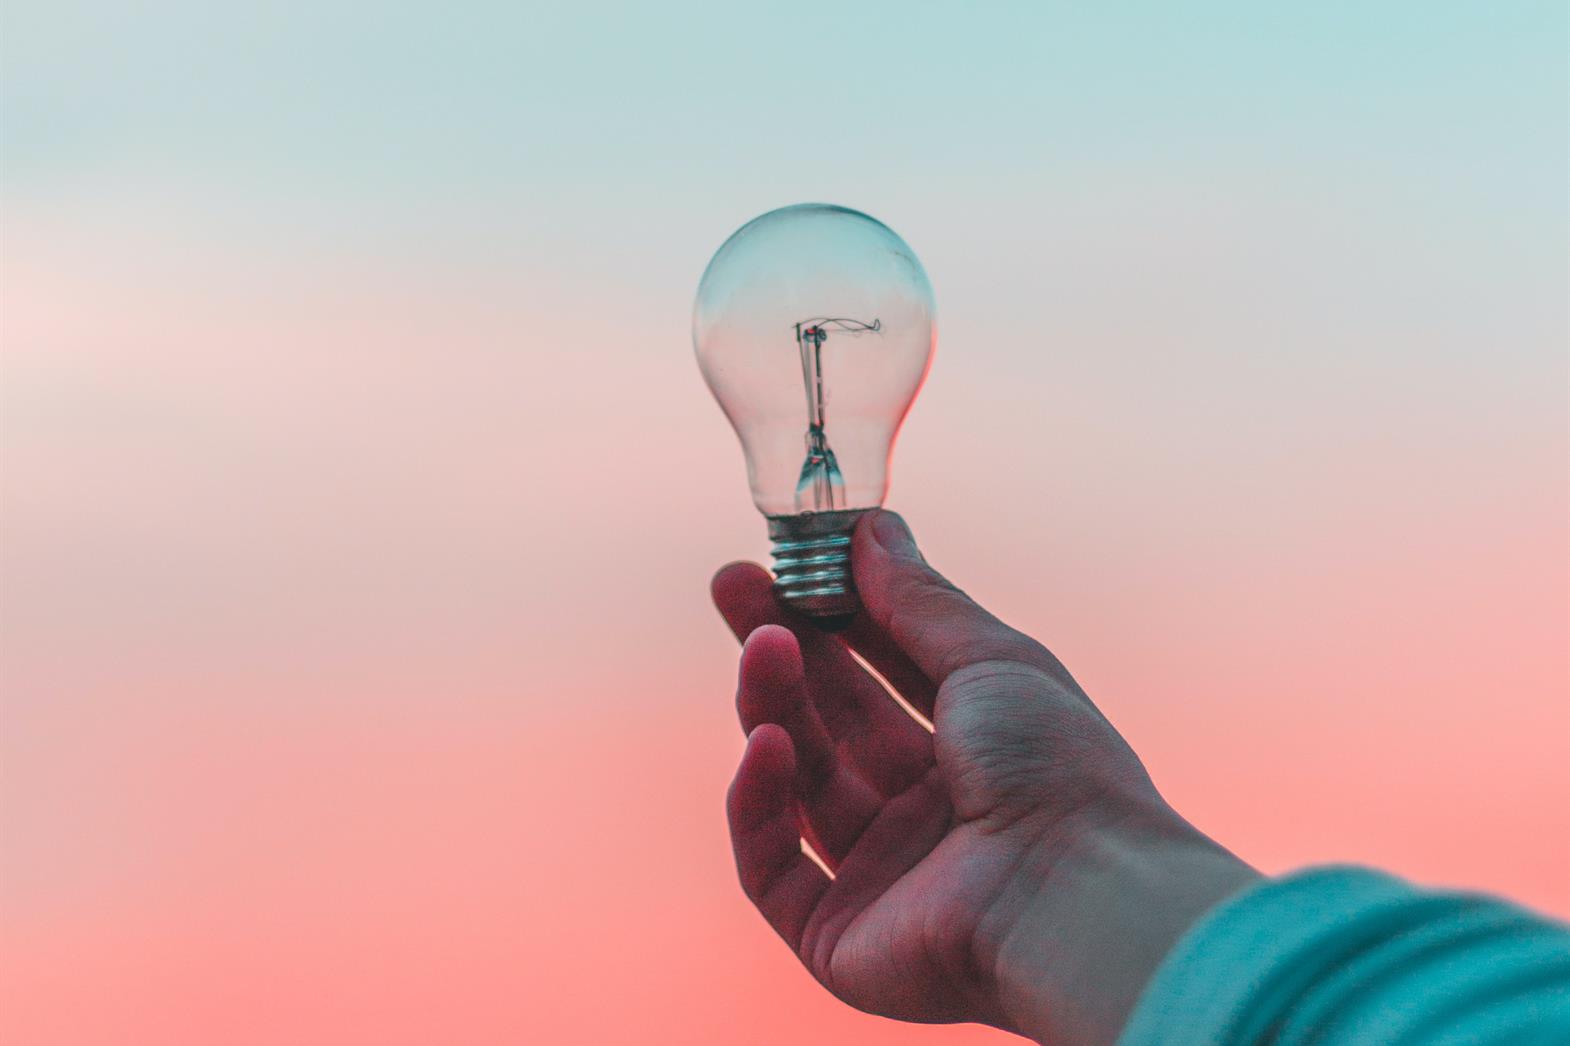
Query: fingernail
[892, 533]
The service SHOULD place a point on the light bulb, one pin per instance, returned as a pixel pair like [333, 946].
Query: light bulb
[814, 329]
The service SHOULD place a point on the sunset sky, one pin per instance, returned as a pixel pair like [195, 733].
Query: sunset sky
[361, 491]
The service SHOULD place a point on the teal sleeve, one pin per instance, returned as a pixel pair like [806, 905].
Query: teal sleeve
[1335, 956]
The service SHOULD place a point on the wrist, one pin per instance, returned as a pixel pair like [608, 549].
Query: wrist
[1091, 914]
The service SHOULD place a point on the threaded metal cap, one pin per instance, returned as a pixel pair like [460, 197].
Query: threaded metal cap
[812, 573]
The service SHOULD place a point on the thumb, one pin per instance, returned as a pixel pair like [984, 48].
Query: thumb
[938, 627]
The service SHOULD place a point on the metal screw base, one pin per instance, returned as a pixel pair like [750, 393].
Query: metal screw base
[812, 572]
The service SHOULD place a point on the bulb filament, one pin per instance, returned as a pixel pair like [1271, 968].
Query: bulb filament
[821, 487]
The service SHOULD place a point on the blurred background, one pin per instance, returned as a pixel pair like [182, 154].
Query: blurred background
[361, 491]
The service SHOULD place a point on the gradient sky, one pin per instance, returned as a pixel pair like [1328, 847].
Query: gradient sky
[360, 489]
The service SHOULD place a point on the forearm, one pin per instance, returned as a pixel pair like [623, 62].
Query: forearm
[1149, 938]
[1093, 920]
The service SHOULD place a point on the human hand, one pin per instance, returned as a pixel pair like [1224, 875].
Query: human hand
[1016, 867]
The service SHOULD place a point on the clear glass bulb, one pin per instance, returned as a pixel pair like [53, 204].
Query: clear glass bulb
[814, 329]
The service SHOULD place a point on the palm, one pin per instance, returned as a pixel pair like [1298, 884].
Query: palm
[907, 950]
[918, 827]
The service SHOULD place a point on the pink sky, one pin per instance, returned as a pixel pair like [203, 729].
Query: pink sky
[361, 494]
